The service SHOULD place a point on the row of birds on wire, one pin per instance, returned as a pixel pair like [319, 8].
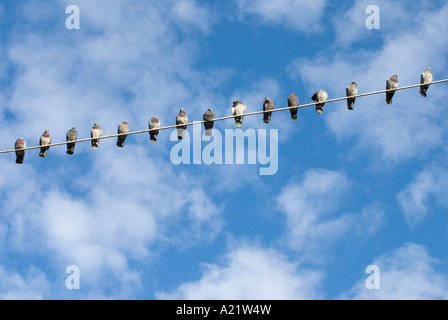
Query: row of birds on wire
[238, 110]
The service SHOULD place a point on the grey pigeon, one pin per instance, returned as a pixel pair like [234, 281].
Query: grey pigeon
[425, 79]
[20, 154]
[391, 83]
[122, 128]
[320, 96]
[95, 133]
[45, 139]
[154, 123]
[293, 101]
[238, 109]
[351, 90]
[71, 135]
[268, 104]
[208, 117]
[181, 118]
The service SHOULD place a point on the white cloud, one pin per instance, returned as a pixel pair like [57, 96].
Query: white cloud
[310, 208]
[297, 15]
[116, 218]
[14, 286]
[187, 13]
[251, 273]
[415, 199]
[350, 26]
[104, 211]
[125, 63]
[411, 126]
[407, 273]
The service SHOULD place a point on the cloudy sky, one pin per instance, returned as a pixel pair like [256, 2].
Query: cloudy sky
[351, 189]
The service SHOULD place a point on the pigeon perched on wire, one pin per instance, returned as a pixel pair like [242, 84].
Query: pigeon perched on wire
[181, 118]
[20, 154]
[351, 90]
[153, 123]
[425, 80]
[293, 101]
[391, 83]
[320, 96]
[208, 117]
[268, 104]
[44, 141]
[238, 109]
[96, 132]
[122, 128]
[72, 135]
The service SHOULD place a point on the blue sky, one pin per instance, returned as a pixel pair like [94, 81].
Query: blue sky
[352, 189]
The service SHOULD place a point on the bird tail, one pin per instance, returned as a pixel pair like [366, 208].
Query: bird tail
[94, 144]
[43, 152]
[238, 121]
[423, 90]
[120, 142]
[293, 112]
[389, 96]
[267, 118]
[153, 136]
[350, 103]
[180, 132]
[319, 108]
[70, 148]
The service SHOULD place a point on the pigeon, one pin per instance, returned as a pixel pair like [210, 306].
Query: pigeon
[425, 79]
[391, 83]
[154, 123]
[293, 101]
[351, 90]
[95, 133]
[208, 117]
[268, 104]
[20, 154]
[320, 96]
[181, 118]
[45, 139]
[238, 109]
[71, 135]
[122, 128]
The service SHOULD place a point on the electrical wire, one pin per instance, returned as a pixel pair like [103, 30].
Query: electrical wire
[223, 118]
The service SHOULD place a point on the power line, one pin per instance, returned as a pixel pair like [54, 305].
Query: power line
[223, 118]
